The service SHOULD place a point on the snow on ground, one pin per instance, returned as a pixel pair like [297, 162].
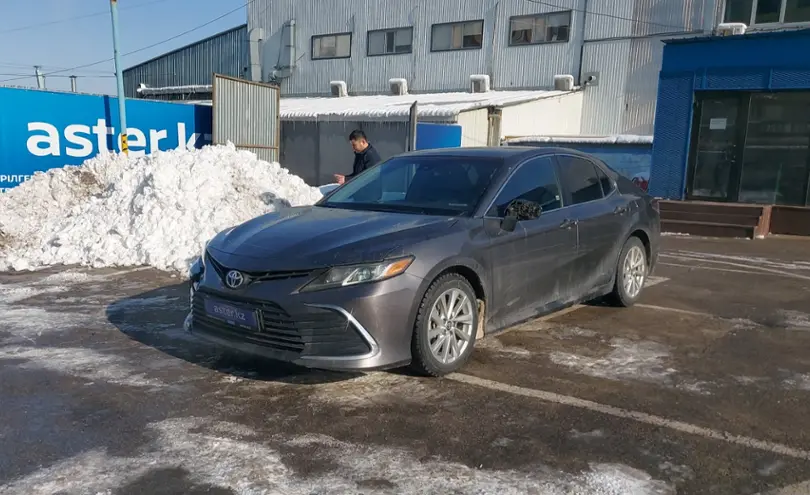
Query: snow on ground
[644, 361]
[156, 210]
[232, 457]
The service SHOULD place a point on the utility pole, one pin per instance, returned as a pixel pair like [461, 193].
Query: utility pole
[40, 77]
[122, 111]
[73, 84]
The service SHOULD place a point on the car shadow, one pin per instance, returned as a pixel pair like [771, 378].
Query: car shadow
[155, 318]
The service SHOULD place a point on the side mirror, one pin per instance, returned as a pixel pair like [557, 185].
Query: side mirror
[519, 210]
[509, 223]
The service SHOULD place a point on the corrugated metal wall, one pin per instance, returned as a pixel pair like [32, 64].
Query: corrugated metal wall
[226, 53]
[603, 104]
[315, 151]
[248, 115]
[671, 146]
[627, 55]
[534, 66]
[424, 70]
[641, 85]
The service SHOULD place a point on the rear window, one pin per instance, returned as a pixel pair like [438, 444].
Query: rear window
[579, 179]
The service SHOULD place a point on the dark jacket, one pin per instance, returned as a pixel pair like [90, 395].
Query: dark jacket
[364, 161]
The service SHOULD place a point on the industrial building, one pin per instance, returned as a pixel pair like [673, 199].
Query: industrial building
[732, 134]
[613, 49]
[191, 67]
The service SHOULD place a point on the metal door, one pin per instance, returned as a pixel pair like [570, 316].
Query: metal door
[718, 134]
[247, 114]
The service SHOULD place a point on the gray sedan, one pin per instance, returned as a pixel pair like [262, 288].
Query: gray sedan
[416, 258]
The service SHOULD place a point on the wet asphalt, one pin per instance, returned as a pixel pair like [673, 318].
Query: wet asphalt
[703, 387]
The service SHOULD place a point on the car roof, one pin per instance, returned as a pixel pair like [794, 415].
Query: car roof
[506, 153]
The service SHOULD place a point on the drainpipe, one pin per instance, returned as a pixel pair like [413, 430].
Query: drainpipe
[256, 37]
[494, 126]
[582, 46]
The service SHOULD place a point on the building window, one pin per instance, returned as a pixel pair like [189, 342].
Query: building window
[327, 46]
[390, 41]
[767, 11]
[468, 35]
[797, 11]
[541, 28]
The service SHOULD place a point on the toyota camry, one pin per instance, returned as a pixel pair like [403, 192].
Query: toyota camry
[418, 257]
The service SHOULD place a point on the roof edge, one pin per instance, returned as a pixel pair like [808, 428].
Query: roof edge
[770, 33]
[209, 38]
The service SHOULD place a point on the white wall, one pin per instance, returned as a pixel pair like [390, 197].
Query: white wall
[557, 116]
[474, 127]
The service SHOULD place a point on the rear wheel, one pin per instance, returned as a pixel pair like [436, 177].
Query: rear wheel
[631, 273]
[444, 333]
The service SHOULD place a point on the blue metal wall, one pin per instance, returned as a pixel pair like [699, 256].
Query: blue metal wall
[770, 61]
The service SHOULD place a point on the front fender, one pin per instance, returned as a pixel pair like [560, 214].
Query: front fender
[447, 265]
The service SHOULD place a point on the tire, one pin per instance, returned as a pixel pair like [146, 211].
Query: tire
[427, 332]
[622, 295]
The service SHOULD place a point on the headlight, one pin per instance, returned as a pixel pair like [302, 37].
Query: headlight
[341, 276]
[196, 269]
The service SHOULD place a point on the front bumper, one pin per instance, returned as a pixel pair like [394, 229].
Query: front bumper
[364, 327]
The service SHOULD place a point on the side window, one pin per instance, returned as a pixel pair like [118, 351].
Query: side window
[579, 180]
[607, 184]
[533, 181]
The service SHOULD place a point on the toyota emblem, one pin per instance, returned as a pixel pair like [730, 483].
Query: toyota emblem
[234, 279]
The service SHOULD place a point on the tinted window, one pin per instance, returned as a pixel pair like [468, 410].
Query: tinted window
[607, 184]
[533, 181]
[579, 180]
[430, 185]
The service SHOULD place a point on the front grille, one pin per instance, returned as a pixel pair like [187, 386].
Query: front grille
[250, 277]
[316, 332]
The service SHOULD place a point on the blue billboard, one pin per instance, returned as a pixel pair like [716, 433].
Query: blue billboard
[40, 130]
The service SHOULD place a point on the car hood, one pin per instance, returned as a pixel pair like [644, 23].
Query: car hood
[304, 238]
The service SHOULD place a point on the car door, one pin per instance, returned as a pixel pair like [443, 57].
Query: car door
[599, 212]
[535, 274]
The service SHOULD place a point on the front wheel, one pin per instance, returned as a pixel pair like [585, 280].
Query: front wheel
[445, 329]
[631, 273]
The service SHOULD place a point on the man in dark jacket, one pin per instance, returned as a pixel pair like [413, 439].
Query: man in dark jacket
[365, 156]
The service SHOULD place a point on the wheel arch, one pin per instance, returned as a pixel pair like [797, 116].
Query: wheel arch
[644, 236]
[468, 268]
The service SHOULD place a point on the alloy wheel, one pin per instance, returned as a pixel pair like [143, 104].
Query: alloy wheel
[634, 271]
[450, 326]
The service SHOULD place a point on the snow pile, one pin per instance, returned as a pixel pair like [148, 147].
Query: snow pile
[155, 210]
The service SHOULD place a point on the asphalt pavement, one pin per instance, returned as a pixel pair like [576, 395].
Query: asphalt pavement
[703, 387]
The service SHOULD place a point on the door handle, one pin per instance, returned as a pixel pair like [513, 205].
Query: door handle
[568, 224]
[620, 210]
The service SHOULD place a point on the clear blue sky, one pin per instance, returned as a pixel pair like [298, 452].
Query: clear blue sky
[31, 33]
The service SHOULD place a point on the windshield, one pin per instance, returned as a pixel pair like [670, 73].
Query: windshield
[429, 185]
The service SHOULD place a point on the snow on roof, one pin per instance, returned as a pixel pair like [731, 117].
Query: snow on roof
[431, 106]
[171, 90]
[617, 139]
